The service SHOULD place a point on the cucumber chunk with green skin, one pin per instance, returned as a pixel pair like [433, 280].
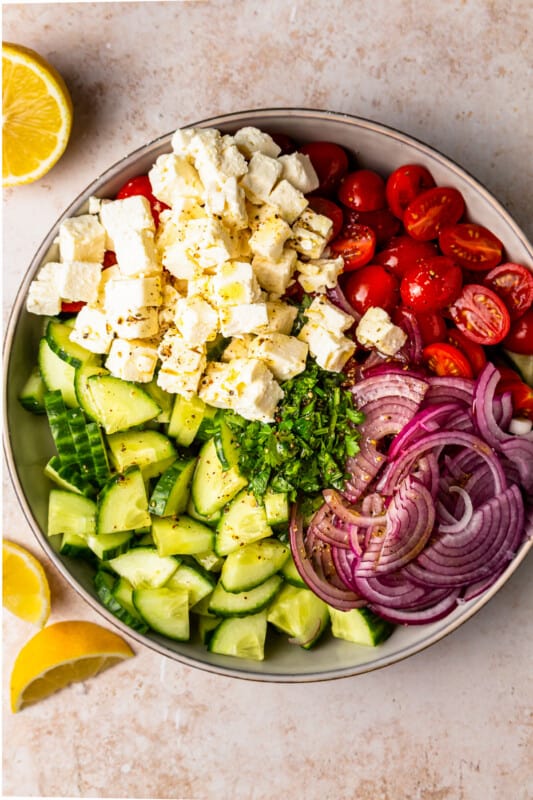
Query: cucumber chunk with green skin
[58, 337]
[105, 585]
[181, 536]
[109, 545]
[123, 503]
[212, 485]
[242, 637]
[142, 566]
[123, 594]
[276, 507]
[151, 451]
[226, 446]
[120, 405]
[68, 477]
[201, 608]
[291, 575]
[75, 546]
[186, 418]
[32, 393]
[70, 513]
[209, 561]
[209, 424]
[83, 394]
[171, 493]
[163, 399]
[197, 582]
[360, 626]
[243, 521]
[299, 613]
[238, 604]
[206, 626]
[253, 564]
[166, 611]
[524, 365]
[57, 375]
[56, 412]
[211, 520]
[98, 452]
[78, 431]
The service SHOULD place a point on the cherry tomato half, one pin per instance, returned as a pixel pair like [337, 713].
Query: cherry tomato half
[330, 162]
[404, 184]
[433, 210]
[402, 252]
[72, 308]
[362, 190]
[432, 284]
[514, 284]
[473, 351]
[445, 359]
[141, 186]
[472, 246]
[432, 326]
[371, 286]
[357, 249]
[384, 224]
[520, 336]
[329, 209]
[110, 259]
[481, 315]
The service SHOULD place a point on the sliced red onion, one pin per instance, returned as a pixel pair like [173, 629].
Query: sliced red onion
[338, 298]
[411, 352]
[394, 382]
[444, 389]
[423, 422]
[351, 516]
[419, 616]
[397, 590]
[457, 524]
[519, 451]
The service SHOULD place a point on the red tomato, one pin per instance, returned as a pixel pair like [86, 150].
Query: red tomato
[445, 359]
[402, 252]
[141, 186]
[362, 190]
[433, 210]
[72, 308]
[521, 393]
[358, 249]
[330, 162]
[472, 246]
[404, 184]
[329, 209]
[432, 284]
[370, 286]
[287, 144]
[384, 224]
[110, 259]
[481, 315]
[514, 284]
[432, 326]
[473, 351]
[519, 338]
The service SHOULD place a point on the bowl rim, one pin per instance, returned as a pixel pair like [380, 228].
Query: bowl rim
[277, 113]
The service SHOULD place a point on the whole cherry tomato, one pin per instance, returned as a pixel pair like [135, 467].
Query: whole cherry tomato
[384, 224]
[141, 186]
[406, 183]
[362, 190]
[329, 209]
[473, 351]
[481, 315]
[402, 252]
[432, 326]
[433, 210]
[445, 359]
[330, 162]
[514, 284]
[357, 249]
[472, 246]
[431, 285]
[371, 286]
[520, 336]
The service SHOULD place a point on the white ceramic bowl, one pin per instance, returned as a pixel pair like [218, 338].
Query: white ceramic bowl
[28, 444]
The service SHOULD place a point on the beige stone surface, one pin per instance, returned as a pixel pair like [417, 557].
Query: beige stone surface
[452, 723]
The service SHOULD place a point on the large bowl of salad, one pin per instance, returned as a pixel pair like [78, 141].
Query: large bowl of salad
[267, 395]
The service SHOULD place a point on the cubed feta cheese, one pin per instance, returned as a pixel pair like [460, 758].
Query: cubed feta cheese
[239, 347]
[132, 360]
[120, 217]
[178, 355]
[319, 274]
[275, 275]
[129, 294]
[245, 385]
[288, 201]
[285, 356]
[176, 258]
[268, 240]
[94, 205]
[234, 283]
[82, 238]
[183, 383]
[182, 139]
[173, 177]
[136, 253]
[281, 316]
[251, 140]
[228, 200]
[310, 233]
[78, 280]
[196, 320]
[376, 330]
[139, 324]
[167, 309]
[243, 318]
[330, 350]
[108, 274]
[208, 241]
[332, 318]
[263, 173]
[43, 296]
[298, 170]
[92, 330]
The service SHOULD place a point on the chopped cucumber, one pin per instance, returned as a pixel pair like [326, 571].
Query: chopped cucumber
[291, 575]
[211, 519]
[300, 613]
[75, 546]
[142, 566]
[119, 404]
[58, 337]
[109, 545]
[83, 395]
[276, 507]
[166, 611]
[56, 411]
[68, 477]
[32, 394]
[181, 536]
[70, 513]
[359, 625]
[212, 485]
[209, 561]
[122, 503]
[243, 521]
[123, 594]
[226, 446]
[242, 637]
[105, 584]
[206, 626]
[253, 564]
[196, 581]
[163, 399]
[57, 375]
[151, 451]
[238, 604]
[186, 418]
[171, 493]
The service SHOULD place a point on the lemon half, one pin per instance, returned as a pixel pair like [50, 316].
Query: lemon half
[25, 589]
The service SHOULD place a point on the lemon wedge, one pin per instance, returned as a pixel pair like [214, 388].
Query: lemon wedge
[36, 115]
[25, 589]
[60, 654]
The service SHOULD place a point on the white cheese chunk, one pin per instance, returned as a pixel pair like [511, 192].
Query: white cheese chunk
[263, 173]
[243, 318]
[167, 309]
[376, 330]
[141, 323]
[183, 383]
[43, 297]
[173, 177]
[92, 330]
[124, 294]
[176, 258]
[332, 318]
[251, 140]
[330, 350]
[281, 317]
[239, 347]
[178, 355]
[268, 240]
[94, 204]
[132, 360]
[196, 320]
[136, 253]
[82, 238]
[120, 217]
[285, 356]
[245, 385]
[288, 201]
[108, 274]
[310, 233]
[208, 242]
[274, 275]
[319, 274]
[298, 170]
[78, 280]
[229, 201]
[234, 283]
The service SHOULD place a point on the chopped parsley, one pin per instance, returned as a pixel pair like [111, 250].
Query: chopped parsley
[305, 449]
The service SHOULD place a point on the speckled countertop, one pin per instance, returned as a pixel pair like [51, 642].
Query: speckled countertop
[452, 723]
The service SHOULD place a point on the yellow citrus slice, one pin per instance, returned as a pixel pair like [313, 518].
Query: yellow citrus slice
[25, 589]
[61, 654]
[36, 115]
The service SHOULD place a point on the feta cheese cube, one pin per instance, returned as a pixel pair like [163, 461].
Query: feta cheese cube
[167, 309]
[142, 323]
[268, 240]
[124, 294]
[78, 280]
[173, 177]
[263, 172]
[178, 355]
[319, 274]
[208, 241]
[82, 238]
[132, 360]
[288, 201]
[123, 216]
[330, 350]
[200, 285]
[329, 316]
[310, 233]
[274, 275]
[92, 330]
[251, 140]
[243, 318]
[229, 201]
[281, 316]
[43, 296]
[136, 253]
[245, 385]
[196, 320]
[376, 330]
[298, 170]
[94, 205]
[239, 347]
[285, 356]
[108, 274]
[213, 388]
[234, 283]
[182, 139]
[183, 383]
[177, 260]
